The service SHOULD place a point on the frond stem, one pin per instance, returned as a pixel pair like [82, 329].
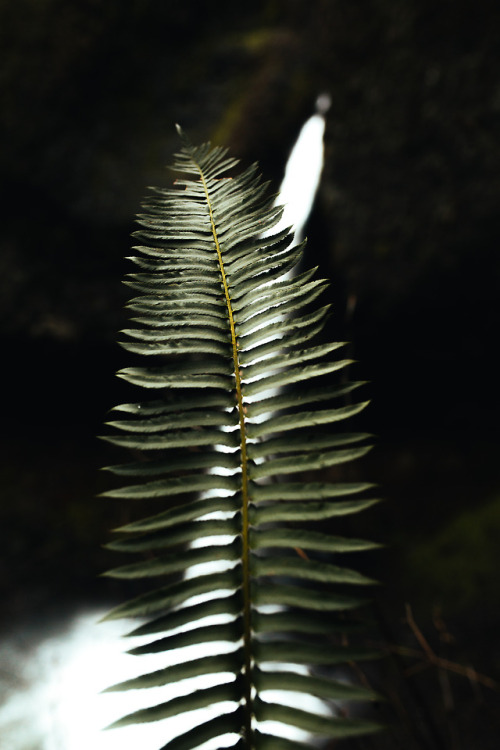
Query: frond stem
[244, 481]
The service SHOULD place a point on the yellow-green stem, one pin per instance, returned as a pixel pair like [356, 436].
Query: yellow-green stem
[247, 626]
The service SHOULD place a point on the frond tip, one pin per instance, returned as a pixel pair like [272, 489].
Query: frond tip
[244, 412]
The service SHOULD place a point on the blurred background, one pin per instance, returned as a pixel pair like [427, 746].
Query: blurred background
[406, 224]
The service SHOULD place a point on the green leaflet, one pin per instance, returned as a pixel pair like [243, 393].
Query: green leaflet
[171, 264]
[175, 347]
[279, 293]
[160, 315]
[306, 462]
[199, 699]
[309, 570]
[181, 403]
[304, 419]
[159, 378]
[219, 664]
[283, 340]
[328, 727]
[178, 439]
[309, 684]
[260, 264]
[184, 288]
[236, 394]
[296, 652]
[175, 594]
[228, 632]
[176, 486]
[224, 724]
[179, 618]
[299, 596]
[305, 490]
[188, 419]
[305, 324]
[181, 534]
[310, 511]
[243, 248]
[174, 463]
[167, 564]
[186, 512]
[286, 360]
[306, 539]
[212, 327]
[241, 262]
[294, 375]
[282, 305]
[299, 621]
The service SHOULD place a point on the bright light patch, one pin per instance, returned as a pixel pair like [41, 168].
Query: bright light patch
[60, 704]
[302, 176]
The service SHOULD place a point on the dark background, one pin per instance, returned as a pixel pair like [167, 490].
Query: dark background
[406, 225]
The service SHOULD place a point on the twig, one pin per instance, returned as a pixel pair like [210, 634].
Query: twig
[418, 634]
[438, 661]
[421, 725]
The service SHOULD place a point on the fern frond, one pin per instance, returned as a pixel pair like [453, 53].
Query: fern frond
[230, 339]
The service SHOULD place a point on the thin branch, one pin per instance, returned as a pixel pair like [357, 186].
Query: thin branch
[429, 657]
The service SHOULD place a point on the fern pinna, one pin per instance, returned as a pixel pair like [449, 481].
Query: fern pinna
[225, 441]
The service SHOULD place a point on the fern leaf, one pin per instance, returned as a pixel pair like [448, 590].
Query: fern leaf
[227, 339]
